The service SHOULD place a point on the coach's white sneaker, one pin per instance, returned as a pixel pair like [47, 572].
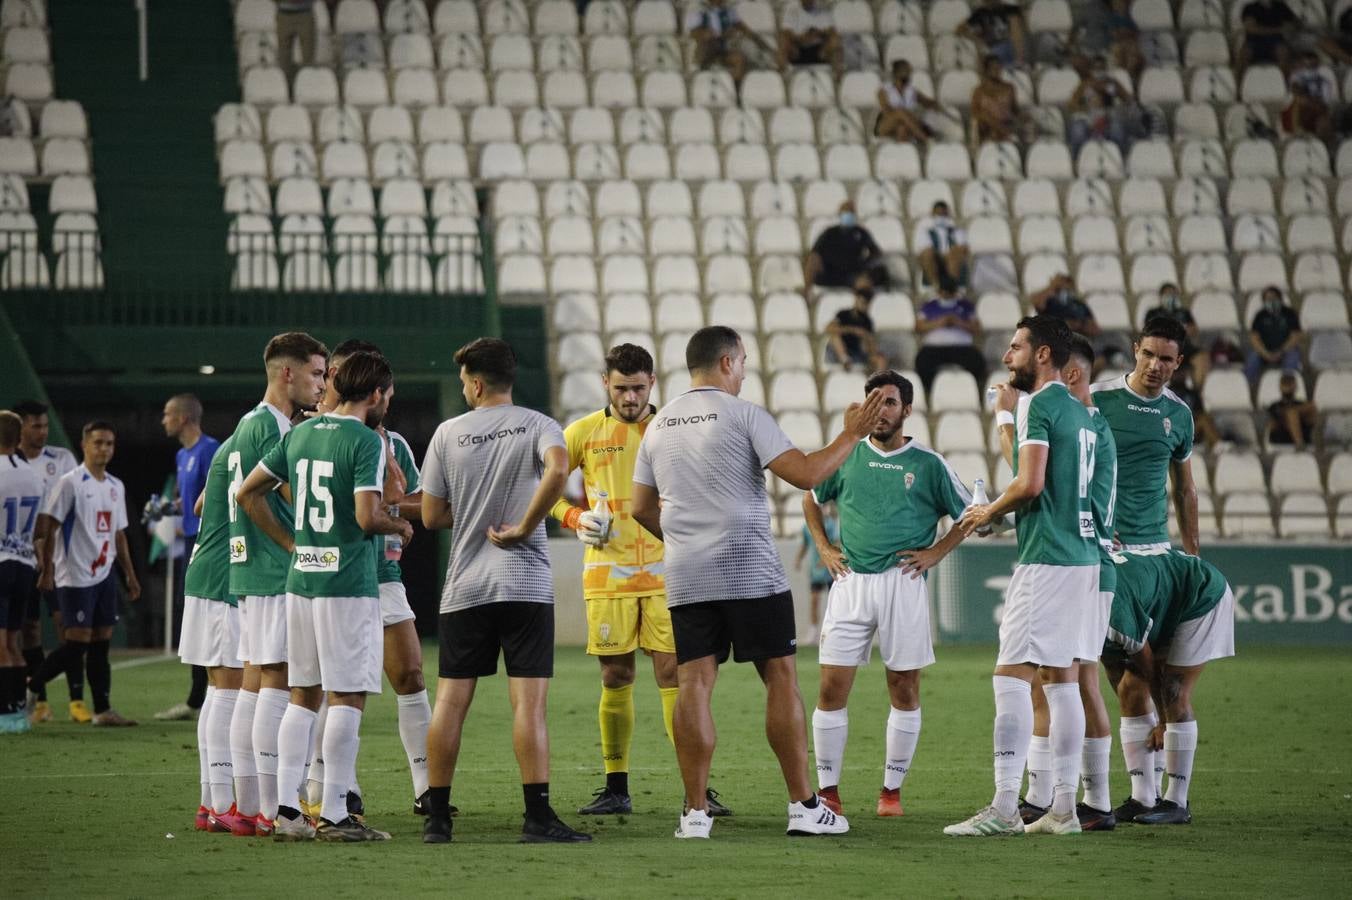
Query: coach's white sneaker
[817, 820]
[695, 824]
[987, 823]
[1051, 823]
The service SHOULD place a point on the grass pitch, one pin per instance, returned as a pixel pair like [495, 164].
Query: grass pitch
[109, 813]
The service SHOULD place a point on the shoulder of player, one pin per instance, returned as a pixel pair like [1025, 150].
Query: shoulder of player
[1177, 404]
[1112, 384]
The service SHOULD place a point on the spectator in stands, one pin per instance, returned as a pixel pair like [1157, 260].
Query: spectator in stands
[1274, 336]
[941, 247]
[948, 327]
[1291, 421]
[901, 108]
[850, 333]
[1060, 298]
[808, 37]
[1266, 25]
[1171, 305]
[1000, 30]
[1312, 96]
[995, 107]
[715, 28]
[842, 253]
[1112, 31]
[1203, 426]
[1338, 42]
[295, 26]
[11, 117]
[1095, 108]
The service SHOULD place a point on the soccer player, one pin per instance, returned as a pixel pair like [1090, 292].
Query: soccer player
[296, 365]
[492, 475]
[182, 419]
[210, 639]
[699, 487]
[20, 496]
[1172, 614]
[1153, 429]
[50, 463]
[86, 515]
[891, 493]
[1054, 585]
[334, 464]
[622, 569]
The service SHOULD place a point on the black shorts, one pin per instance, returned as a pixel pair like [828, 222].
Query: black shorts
[471, 639]
[755, 629]
[89, 607]
[17, 588]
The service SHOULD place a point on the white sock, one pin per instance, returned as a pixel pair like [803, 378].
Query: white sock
[293, 743]
[272, 703]
[1134, 730]
[1067, 739]
[1094, 773]
[903, 733]
[242, 754]
[1180, 745]
[415, 717]
[1039, 771]
[1013, 728]
[830, 729]
[221, 771]
[341, 740]
[203, 764]
[314, 761]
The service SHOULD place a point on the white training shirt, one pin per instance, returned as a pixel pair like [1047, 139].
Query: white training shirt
[797, 20]
[90, 513]
[705, 452]
[21, 495]
[937, 234]
[50, 464]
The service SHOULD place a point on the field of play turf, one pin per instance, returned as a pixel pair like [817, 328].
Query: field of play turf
[109, 813]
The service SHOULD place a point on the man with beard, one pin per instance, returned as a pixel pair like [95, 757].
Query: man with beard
[334, 464]
[891, 493]
[1054, 585]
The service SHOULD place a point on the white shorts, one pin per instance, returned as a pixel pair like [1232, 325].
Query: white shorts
[337, 643]
[210, 634]
[394, 606]
[891, 604]
[1044, 611]
[266, 625]
[243, 652]
[1197, 641]
[1094, 627]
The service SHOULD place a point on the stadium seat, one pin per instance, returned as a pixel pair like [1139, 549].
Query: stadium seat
[1304, 515]
[794, 390]
[340, 123]
[679, 312]
[72, 193]
[1247, 515]
[841, 389]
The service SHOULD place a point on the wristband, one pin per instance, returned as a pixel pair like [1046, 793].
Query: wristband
[571, 517]
[1004, 417]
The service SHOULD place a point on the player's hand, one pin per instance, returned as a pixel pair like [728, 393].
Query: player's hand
[861, 418]
[1006, 397]
[47, 581]
[507, 536]
[405, 530]
[133, 589]
[917, 562]
[834, 560]
[975, 517]
[592, 530]
[1155, 740]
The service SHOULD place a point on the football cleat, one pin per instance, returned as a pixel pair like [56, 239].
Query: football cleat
[356, 809]
[41, 710]
[817, 820]
[14, 723]
[1030, 813]
[987, 823]
[716, 809]
[176, 713]
[222, 823]
[889, 803]
[1095, 819]
[287, 830]
[695, 824]
[422, 808]
[831, 797]
[1166, 812]
[111, 718]
[1052, 823]
[244, 826]
[437, 830]
[607, 803]
[348, 831]
[310, 810]
[550, 831]
[79, 713]
[263, 826]
[200, 822]
[1130, 809]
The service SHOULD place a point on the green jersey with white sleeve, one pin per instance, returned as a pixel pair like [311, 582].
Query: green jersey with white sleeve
[1103, 498]
[208, 574]
[1157, 590]
[1056, 528]
[258, 567]
[387, 570]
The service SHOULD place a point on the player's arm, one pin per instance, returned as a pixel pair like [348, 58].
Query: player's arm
[832, 556]
[43, 543]
[200, 504]
[436, 511]
[547, 492]
[1026, 486]
[375, 519]
[807, 470]
[917, 562]
[1185, 504]
[128, 571]
[1006, 399]
[646, 507]
[411, 506]
[252, 498]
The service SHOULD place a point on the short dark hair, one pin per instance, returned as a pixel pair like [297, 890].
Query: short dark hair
[97, 425]
[1050, 332]
[29, 408]
[1167, 327]
[629, 359]
[1080, 346]
[492, 359]
[351, 346]
[988, 59]
[189, 405]
[295, 345]
[891, 376]
[10, 427]
[708, 345]
[360, 374]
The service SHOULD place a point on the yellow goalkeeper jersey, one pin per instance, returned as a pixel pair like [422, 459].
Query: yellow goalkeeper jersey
[630, 564]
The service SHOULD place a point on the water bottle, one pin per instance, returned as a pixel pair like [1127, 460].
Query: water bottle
[992, 394]
[980, 498]
[394, 545]
[602, 512]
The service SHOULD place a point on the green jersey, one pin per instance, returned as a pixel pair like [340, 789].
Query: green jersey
[1056, 528]
[387, 570]
[208, 574]
[328, 460]
[1150, 434]
[257, 565]
[1157, 590]
[1103, 498]
[891, 501]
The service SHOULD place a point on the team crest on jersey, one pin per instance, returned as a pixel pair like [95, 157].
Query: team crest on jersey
[317, 559]
[103, 521]
[909, 479]
[1168, 426]
[112, 493]
[51, 468]
[239, 550]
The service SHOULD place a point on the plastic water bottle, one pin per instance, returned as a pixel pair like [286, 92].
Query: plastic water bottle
[394, 545]
[980, 498]
[602, 512]
[992, 394]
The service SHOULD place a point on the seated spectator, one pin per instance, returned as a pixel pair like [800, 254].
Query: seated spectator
[1111, 31]
[995, 106]
[716, 29]
[1274, 336]
[1338, 42]
[1101, 109]
[1171, 305]
[948, 328]
[1291, 421]
[842, 253]
[1266, 24]
[1203, 426]
[852, 341]
[901, 108]
[1061, 299]
[808, 37]
[941, 247]
[1000, 30]
[1312, 96]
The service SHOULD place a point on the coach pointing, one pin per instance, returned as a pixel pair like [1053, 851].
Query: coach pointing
[699, 487]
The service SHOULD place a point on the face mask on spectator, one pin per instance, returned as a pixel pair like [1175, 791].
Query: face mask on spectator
[848, 219]
[865, 294]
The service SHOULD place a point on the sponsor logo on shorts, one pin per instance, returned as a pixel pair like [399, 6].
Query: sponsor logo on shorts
[468, 440]
[317, 559]
[686, 420]
[239, 550]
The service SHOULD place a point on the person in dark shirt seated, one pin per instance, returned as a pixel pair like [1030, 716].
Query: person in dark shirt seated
[947, 328]
[1000, 29]
[842, 253]
[851, 338]
[1266, 24]
[1274, 336]
[1060, 298]
[1171, 305]
[1291, 421]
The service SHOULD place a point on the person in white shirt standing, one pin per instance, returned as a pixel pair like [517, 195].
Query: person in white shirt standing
[86, 511]
[20, 496]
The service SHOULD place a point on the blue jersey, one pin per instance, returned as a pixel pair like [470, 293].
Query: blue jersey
[193, 463]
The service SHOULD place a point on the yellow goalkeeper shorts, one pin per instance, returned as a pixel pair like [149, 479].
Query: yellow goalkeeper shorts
[625, 624]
